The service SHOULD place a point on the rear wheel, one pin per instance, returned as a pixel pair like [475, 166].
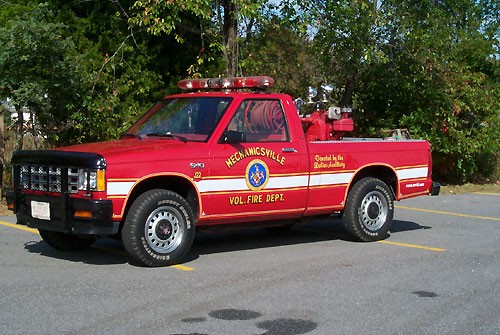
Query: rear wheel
[369, 210]
[159, 228]
[65, 242]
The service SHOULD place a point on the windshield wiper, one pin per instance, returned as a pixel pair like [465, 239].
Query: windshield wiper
[130, 135]
[177, 137]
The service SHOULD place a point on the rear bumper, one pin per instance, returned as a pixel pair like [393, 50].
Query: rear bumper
[436, 187]
[61, 214]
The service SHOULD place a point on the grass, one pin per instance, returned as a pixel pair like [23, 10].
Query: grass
[445, 190]
[470, 188]
[3, 209]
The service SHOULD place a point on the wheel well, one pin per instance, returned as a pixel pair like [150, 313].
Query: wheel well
[177, 184]
[384, 173]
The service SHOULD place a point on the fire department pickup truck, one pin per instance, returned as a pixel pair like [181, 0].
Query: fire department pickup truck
[224, 152]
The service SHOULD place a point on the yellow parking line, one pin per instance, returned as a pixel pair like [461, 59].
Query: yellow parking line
[118, 252]
[11, 225]
[182, 267]
[448, 213]
[415, 246]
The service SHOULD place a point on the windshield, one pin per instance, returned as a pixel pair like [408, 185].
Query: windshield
[192, 118]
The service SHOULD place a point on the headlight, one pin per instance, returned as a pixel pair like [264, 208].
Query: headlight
[83, 179]
[91, 180]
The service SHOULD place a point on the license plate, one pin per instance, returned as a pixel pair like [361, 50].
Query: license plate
[40, 210]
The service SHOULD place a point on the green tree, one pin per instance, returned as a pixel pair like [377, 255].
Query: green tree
[88, 68]
[441, 84]
[347, 40]
[283, 53]
[218, 22]
[112, 72]
[39, 69]
[429, 66]
[122, 79]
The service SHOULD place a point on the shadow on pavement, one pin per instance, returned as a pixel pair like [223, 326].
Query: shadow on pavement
[110, 251]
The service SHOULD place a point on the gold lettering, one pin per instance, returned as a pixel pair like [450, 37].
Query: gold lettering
[275, 197]
[257, 151]
[237, 200]
[254, 199]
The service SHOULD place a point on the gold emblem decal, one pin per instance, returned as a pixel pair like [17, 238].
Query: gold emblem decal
[257, 175]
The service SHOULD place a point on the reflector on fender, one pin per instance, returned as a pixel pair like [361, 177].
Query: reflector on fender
[260, 82]
[101, 180]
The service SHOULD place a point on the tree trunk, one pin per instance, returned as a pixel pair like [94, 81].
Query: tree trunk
[230, 33]
[20, 127]
[348, 92]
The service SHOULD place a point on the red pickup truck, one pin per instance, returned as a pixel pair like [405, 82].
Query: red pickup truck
[224, 152]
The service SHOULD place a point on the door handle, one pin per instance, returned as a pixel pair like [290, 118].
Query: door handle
[288, 150]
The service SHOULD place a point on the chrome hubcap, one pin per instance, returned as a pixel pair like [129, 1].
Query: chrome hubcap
[374, 209]
[163, 229]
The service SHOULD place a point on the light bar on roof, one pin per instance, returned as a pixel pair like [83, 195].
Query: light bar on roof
[193, 84]
[259, 82]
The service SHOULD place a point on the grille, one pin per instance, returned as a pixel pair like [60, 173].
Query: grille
[48, 178]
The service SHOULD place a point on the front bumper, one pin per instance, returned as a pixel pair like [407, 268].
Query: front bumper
[61, 212]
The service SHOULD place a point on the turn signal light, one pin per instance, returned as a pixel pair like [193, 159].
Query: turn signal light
[83, 214]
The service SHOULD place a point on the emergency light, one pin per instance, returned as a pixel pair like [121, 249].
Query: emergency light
[232, 83]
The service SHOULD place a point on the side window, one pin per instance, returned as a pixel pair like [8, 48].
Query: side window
[260, 121]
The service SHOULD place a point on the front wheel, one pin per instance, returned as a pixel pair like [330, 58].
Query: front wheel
[369, 210]
[159, 228]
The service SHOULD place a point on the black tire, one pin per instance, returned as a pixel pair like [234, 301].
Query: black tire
[369, 210]
[66, 242]
[159, 228]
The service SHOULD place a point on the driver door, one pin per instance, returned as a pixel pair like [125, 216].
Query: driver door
[257, 172]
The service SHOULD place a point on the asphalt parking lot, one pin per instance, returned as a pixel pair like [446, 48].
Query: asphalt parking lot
[437, 273]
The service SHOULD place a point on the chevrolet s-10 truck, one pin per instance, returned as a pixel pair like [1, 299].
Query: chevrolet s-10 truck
[224, 152]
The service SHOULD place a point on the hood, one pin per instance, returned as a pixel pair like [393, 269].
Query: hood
[132, 148]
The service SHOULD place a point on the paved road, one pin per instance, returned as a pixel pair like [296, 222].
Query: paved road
[438, 273]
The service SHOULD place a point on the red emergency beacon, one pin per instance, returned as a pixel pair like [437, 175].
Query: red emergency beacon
[233, 83]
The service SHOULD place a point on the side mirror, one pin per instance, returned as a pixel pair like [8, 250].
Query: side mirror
[232, 136]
